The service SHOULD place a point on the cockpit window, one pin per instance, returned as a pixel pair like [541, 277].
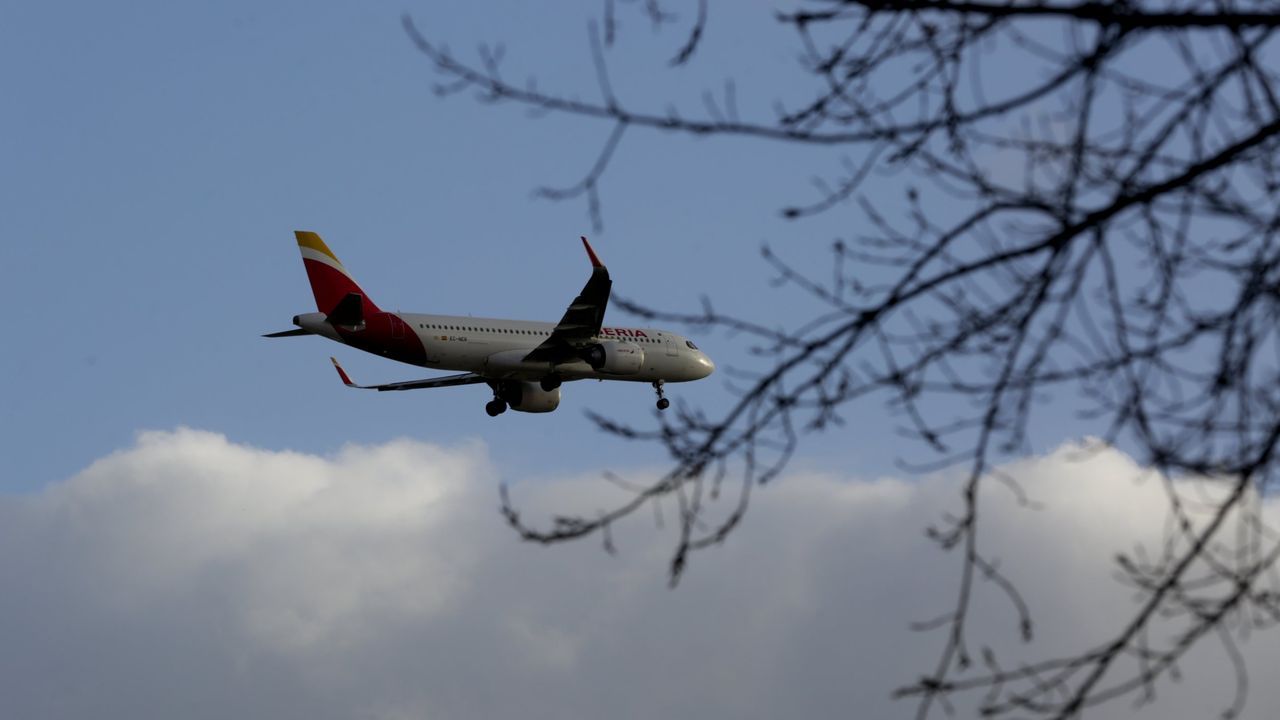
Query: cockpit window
[690, 344]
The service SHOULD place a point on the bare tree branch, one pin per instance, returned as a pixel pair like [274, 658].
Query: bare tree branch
[1110, 233]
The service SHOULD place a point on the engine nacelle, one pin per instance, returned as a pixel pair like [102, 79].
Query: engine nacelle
[530, 397]
[615, 358]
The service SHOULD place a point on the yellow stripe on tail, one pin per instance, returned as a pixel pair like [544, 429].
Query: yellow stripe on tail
[308, 239]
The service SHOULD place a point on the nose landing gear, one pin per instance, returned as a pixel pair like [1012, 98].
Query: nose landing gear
[663, 403]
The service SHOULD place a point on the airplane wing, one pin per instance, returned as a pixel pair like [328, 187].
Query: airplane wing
[582, 320]
[443, 381]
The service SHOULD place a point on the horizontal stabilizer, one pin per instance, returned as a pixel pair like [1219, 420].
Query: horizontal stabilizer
[288, 333]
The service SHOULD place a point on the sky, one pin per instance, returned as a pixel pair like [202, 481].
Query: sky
[159, 158]
[196, 521]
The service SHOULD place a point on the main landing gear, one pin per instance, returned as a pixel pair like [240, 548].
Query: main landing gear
[663, 403]
[549, 383]
[495, 407]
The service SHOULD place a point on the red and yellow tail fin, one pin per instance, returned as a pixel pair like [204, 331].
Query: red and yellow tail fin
[330, 281]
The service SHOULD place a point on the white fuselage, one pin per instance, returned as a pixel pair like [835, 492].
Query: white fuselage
[495, 348]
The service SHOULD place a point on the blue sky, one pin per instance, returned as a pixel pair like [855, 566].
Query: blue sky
[198, 522]
[158, 158]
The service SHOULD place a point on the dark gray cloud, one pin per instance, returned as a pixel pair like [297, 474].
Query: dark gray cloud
[191, 577]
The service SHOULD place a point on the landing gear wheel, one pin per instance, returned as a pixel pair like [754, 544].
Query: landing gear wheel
[663, 403]
[495, 407]
[549, 383]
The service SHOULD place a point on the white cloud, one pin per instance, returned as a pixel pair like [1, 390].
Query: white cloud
[192, 577]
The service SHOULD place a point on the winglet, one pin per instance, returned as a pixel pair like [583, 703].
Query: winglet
[342, 373]
[595, 261]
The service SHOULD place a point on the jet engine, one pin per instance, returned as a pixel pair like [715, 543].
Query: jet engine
[615, 358]
[530, 397]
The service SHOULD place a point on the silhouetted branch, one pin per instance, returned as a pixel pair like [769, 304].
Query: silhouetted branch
[1108, 231]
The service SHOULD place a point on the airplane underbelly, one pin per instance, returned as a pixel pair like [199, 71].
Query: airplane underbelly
[510, 363]
[434, 357]
[652, 369]
[468, 358]
[450, 352]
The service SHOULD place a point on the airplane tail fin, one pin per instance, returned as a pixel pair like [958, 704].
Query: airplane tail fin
[330, 281]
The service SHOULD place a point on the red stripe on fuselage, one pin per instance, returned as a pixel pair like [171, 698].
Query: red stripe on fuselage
[387, 335]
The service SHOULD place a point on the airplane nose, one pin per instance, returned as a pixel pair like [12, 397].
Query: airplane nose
[708, 367]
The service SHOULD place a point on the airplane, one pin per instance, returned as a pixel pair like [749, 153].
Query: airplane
[524, 363]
